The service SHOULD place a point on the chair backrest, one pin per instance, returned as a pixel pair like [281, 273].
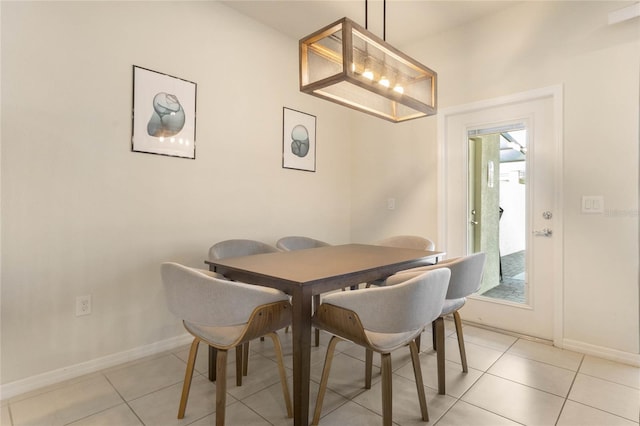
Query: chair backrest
[298, 243]
[406, 306]
[238, 247]
[408, 241]
[200, 298]
[466, 274]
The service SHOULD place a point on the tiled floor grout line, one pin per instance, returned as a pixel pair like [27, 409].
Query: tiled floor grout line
[11, 422]
[93, 414]
[123, 398]
[564, 402]
[484, 372]
[608, 381]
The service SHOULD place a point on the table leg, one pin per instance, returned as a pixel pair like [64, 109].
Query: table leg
[301, 325]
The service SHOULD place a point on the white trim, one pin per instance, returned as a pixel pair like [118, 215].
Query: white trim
[558, 269]
[602, 352]
[556, 93]
[9, 390]
[572, 345]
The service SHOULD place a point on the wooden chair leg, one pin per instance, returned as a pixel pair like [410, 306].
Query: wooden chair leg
[387, 391]
[439, 337]
[213, 354]
[433, 335]
[283, 373]
[188, 375]
[239, 365]
[245, 359]
[325, 378]
[221, 387]
[463, 355]
[417, 372]
[368, 368]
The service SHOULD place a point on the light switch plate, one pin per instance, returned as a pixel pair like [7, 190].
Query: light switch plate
[592, 204]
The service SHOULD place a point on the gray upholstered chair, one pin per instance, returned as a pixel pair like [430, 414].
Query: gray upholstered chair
[224, 314]
[405, 241]
[408, 241]
[234, 248]
[466, 277]
[383, 319]
[298, 243]
[238, 247]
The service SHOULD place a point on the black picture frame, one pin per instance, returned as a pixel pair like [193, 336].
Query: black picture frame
[298, 140]
[163, 115]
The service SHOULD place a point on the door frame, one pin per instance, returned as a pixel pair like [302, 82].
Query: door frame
[556, 94]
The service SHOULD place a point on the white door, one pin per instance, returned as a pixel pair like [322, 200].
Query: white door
[540, 114]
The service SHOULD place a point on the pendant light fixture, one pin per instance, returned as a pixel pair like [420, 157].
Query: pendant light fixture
[345, 63]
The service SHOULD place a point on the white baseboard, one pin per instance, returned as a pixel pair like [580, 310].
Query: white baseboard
[9, 390]
[576, 346]
[602, 352]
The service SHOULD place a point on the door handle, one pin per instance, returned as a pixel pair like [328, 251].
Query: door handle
[473, 222]
[546, 232]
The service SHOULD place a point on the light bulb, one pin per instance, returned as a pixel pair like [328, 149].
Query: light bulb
[398, 89]
[368, 69]
[384, 81]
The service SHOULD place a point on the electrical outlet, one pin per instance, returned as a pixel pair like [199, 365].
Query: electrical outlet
[83, 305]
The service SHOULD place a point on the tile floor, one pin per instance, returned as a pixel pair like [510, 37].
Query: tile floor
[510, 381]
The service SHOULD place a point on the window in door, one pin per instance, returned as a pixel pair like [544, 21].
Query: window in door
[497, 216]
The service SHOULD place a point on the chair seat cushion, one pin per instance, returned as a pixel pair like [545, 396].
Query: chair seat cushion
[452, 305]
[388, 342]
[218, 336]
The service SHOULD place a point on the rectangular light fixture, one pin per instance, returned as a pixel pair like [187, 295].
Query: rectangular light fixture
[346, 64]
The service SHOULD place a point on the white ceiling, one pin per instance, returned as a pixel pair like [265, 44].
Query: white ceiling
[407, 21]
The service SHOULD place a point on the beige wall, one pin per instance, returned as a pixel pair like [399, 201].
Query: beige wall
[529, 46]
[82, 214]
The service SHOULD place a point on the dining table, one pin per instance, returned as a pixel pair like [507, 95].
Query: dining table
[306, 273]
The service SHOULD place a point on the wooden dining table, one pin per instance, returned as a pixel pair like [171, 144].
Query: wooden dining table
[306, 273]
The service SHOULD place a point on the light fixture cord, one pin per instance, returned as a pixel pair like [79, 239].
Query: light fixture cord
[384, 20]
[366, 14]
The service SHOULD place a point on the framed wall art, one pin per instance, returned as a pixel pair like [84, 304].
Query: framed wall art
[164, 114]
[298, 140]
